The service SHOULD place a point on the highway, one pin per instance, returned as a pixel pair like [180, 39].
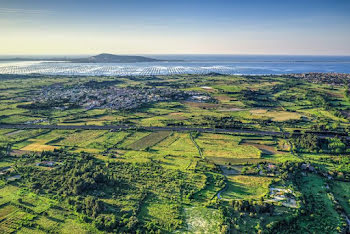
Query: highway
[176, 128]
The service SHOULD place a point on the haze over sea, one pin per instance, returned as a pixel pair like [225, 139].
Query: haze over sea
[190, 64]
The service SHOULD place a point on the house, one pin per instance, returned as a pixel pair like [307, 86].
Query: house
[311, 168]
[271, 167]
[303, 166]
[46, 164]
[308, 167]
[5, 170]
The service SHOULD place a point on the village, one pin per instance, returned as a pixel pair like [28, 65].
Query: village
[329, 78]
[60, 97]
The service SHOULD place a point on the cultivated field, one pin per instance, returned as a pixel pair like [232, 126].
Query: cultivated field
[187, 177]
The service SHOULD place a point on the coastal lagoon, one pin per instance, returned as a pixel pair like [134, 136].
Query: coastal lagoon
[187, 64]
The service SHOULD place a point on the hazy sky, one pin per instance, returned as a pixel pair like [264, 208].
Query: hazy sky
[175, 27]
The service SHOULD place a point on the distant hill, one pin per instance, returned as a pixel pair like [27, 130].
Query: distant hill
[101, 58]
[112, 58]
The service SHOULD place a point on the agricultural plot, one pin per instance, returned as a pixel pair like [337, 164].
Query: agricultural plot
[211, 189]
[12, 221]
[43, 142]
[172, 150]
[229, 88]
[153, 121]
[225, 146]
[88, 119]
[322, 114]
[246, 187]
[18, 206]
[200, 106]
[38, 146]
[149, 140]
[135, 136]
[34, 202]
[265, 149]
[6, 210]
[239, 161]
[15, 119]
[202, 220]
[166, 215]
[10, 111]
[180, 144]
[9, 132]
[108, 140]
[26, 230]
[324, 212]
[278, 116]
[163, 108]
[53, 136]
[8, 193]
[341, 191]
[185, 114]
[177, 116]
[177, 161]
[6, 162]
[19, 138]
[80, 138]
[72, 226]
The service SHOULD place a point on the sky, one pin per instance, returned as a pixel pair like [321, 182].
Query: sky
[65, 27]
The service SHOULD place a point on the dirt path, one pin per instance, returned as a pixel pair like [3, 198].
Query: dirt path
[197, 146]
[219, 195]
[13, 133]
[222, 190]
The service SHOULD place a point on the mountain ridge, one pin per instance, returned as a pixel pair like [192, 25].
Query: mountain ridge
[112, 58]
[100, 58]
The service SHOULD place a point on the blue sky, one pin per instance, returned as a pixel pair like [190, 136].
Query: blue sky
[175, 27]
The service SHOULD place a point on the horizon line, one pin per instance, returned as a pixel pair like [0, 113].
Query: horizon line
[188, 54]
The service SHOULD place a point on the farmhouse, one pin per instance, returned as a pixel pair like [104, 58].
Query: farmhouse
[46, 164]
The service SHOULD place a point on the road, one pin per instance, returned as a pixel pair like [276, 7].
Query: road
[126, 127]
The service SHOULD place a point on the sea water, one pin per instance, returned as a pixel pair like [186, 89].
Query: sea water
[188, 64]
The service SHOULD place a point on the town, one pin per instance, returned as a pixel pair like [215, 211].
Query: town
[116, 98]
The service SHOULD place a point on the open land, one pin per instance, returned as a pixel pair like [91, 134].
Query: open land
[178, 153]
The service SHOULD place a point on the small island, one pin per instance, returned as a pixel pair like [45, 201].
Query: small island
[112, 58]
[100, 58]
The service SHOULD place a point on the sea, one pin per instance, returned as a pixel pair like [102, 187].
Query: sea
[185, 64]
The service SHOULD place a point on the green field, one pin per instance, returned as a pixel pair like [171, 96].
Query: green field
[132, 179]
[149, 140]
[246, 187]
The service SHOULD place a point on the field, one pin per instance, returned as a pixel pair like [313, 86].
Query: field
[166, 215]
[180, 165]
[323, 211]
[341, 191]
[225, 146]
[250, 187]
[202, 220]
[38, 147]
[149, 140]
[278, 116]
[80, 138]
[19, 206]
